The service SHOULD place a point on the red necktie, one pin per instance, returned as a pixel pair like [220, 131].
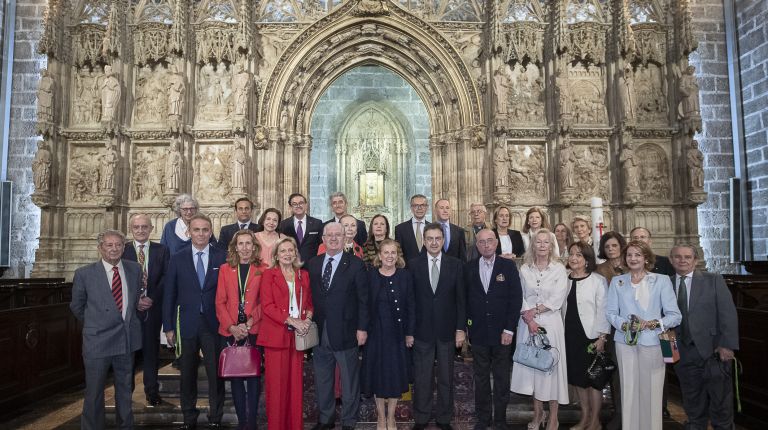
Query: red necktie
[117, 289]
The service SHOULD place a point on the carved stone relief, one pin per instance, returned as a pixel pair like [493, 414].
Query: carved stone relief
[152, 101]
[214, 93]
[213, 174]
[86, 103]
[654, 172]
[588, 101]
[650, 94]
[590, 171]
[526, 98]
[518, 170]
[84, 182]
[147, 186]
[110, 100]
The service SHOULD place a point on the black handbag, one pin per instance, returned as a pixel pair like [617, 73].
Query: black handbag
[600, 371]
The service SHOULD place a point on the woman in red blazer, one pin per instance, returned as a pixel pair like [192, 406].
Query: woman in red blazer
[239, 314]
[286, 302]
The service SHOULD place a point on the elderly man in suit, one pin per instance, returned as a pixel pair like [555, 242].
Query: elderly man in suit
[340, 298]
[410, 234]
[153, 259]
[339, 209]
[706, 337]
[440, 298]
[105, 297]
[189, 319]
[477, 216]
[455, 244]
[307, 231]
[663, 265]
[243, 213]
[494, 300]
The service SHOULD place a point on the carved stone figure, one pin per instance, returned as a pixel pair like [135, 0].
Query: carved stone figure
[695, 162]
[563, 92]
[214, 93]
[86, 107]
[108, 167]
[238, 160]
[627, 92]
[110, 99]
[567, 163]
[371, 8]
[689, 90]
[631, 167]
[478, 137]
[41, 168]
[501, 89]
[241, 87]
[261, 138]
[176, 89]
[500, 170]
[45, 98]
[173, 167]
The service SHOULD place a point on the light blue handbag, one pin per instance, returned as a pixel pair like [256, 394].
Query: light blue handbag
[537, 353]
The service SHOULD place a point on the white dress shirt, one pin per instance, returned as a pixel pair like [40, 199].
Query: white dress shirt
[123, 280]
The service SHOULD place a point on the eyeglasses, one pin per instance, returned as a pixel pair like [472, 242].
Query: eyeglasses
[192, 209]
[433, 239]
[424, 206]
[297, 204]
[486, 242]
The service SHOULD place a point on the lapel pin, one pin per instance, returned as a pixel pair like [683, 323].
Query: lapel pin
[500, 277]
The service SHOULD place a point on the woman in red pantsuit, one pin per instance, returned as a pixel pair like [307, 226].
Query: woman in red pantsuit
[286, 304]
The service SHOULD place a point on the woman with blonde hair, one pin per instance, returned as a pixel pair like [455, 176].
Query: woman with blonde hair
[564, 238]
[390, 332]
[545, 287]
[582, 228]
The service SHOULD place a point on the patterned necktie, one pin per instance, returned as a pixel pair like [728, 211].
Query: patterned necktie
[117, 289]
[243, 226]
[487, 275]
[200, 269]
[682, 303]
[435, 275]
[141, 257]
[299, 233]
[419, 238]
[447, 236]
[327, 274]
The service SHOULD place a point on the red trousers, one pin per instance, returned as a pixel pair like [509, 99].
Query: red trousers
[284, 390]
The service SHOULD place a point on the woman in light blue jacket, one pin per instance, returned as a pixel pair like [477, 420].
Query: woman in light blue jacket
[635, 304]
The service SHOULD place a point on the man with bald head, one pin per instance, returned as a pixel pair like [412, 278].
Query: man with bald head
[663, 265]
[494, 300]
[153, 258]
[340, 299]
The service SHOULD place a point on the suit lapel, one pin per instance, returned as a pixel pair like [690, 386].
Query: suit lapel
[343, 264]
[289, 229]
[478, 278]
[695, 291]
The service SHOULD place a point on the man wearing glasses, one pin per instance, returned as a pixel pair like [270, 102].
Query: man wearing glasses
[302, 227]
[410, 233]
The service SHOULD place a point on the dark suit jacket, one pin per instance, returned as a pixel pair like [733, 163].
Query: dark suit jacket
[105, 332]
[156, 267]
[711, 314]
[439, 314]
[362, 234]
[313, 236]
[228, 232]
[518, 247]
[343, 309]
[407, 239]
[489, 314]
[458, 246]
[663, 266]
[182, 290]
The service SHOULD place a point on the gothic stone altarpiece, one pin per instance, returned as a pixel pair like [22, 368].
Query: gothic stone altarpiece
[530, 102]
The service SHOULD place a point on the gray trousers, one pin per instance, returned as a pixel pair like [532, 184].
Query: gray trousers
[707, 388]
[96, 371]
[324, 361]
[424, 354]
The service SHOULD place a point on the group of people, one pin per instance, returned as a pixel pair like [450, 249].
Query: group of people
[408, 303]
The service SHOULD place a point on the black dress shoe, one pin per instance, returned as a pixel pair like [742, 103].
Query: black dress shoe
[214, 425]
[419, 426]
[154, 400]
[444, 426]
[347, 427]
[500, 425]
[188, 426]
[321, 426]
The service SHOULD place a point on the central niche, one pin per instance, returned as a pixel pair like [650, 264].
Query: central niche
[371, 141]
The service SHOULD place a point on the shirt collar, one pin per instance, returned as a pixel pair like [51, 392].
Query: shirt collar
[108, 266]
[489, 260]
[415, 220]
[138, 244]
[204, 250]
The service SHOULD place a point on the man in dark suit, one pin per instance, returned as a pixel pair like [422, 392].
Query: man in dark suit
[307, 231]
[339, 208]
[243, 213]
[494, 300]
[706, 337]
[477, 215]
[105, 297]
[153, 259]
[663, 265]
[455, 244]
[440, 299]
[410, 234]
[190, 299]
[340, 298]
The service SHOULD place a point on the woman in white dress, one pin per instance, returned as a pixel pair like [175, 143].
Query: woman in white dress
[545, 287]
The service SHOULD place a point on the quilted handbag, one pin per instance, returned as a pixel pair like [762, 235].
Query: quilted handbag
[536, 353]
[240, 361]
[600, 371]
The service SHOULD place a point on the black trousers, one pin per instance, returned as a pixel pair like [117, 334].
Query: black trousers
[491, 360]
[150, 347]
[424, 354]
[707, 388]
[207, 341]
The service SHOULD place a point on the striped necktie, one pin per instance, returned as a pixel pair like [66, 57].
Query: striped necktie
[117, 289]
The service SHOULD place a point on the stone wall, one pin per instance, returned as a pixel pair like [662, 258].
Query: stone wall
[22, 140]
[715, 139]
[753, 48]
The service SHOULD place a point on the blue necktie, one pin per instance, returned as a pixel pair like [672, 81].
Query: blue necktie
[200, 269]
[447, 234]
[326, 279]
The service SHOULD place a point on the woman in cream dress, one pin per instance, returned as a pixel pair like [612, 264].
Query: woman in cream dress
[545, 287]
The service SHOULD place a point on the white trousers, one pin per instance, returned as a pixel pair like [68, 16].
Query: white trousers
[641, 369]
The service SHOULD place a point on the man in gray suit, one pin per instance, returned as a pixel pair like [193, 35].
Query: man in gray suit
[105, 297]
[706, 337]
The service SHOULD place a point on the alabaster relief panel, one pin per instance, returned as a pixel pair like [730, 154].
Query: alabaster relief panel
[151, 97]
[469, 45]
[654, 172]
[589, 170]
[85, 108]
[659, 221]
[147, 181]
[84, 223]
[650, 93]
[525, 170]
[526, 95]
[587, 91]
[91, 172]
[274, 41]
[214, 94]
[213, 172]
